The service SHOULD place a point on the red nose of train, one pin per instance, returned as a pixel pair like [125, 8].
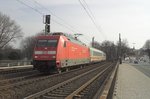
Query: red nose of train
[45, 49]
[45, 53]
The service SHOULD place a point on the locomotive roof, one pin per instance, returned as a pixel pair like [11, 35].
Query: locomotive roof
[70, 37]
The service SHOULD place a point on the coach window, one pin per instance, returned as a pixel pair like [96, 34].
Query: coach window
[65, 44]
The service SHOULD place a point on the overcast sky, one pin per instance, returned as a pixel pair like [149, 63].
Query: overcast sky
[131, 18]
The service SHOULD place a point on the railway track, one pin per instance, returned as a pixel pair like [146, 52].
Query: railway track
[24, 88]
[15, 69]
[83, 86]
[16, 72]
[31, 75]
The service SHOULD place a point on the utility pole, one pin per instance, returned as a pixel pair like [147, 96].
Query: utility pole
[93, 42]
[120, 52]
[47, 24]
[133, 45]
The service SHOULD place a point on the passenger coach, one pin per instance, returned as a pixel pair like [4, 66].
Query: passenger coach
[97, 55]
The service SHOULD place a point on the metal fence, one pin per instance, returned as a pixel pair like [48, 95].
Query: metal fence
[10, 63]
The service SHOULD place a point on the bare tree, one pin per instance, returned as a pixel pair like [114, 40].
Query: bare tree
[147, 47]
[95, 44]
[27, 46]
[9, 30]
[110, 49]
[147, 44]
[125, 50]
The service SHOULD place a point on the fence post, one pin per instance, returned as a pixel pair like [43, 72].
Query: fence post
[18, 63]
[8, 65]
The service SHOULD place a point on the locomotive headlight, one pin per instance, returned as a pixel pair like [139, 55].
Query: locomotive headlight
[38, 52]
[53, 56]
[51, 52]
[35, 56]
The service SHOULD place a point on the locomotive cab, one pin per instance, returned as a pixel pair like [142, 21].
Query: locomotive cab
[45, 53]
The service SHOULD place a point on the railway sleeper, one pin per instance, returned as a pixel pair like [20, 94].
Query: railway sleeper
[51, 97]
[56, 95]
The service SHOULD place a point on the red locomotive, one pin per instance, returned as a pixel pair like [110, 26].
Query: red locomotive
[58, 51]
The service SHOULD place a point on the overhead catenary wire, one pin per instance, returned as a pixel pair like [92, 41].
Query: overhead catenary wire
[88, 9]
[30, 7]
[71, 28]
[90, 15]
[55, 15]
[63, 25]
[39, 12]
[77, 31]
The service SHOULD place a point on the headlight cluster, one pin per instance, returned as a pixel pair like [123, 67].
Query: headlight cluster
[44, 52]
[44, 56]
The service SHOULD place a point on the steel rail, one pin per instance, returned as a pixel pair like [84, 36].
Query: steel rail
[36, 95]
[17, 79]
[17, 74]
[14, 70]
[76, 92]
[30, 86]
[107, 92]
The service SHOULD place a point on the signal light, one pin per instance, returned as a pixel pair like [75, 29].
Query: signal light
[47, 28]
[47, 19]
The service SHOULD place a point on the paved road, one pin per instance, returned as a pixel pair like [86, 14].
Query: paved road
[143, 67]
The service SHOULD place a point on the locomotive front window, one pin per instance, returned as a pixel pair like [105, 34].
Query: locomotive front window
[52, 43]
[47, 43]
[41, 43]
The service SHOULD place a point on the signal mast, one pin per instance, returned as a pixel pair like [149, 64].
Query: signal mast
[47, 23]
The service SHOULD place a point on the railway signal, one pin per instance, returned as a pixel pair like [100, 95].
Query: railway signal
[47, 19]
[47, 28]
[47, 23]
